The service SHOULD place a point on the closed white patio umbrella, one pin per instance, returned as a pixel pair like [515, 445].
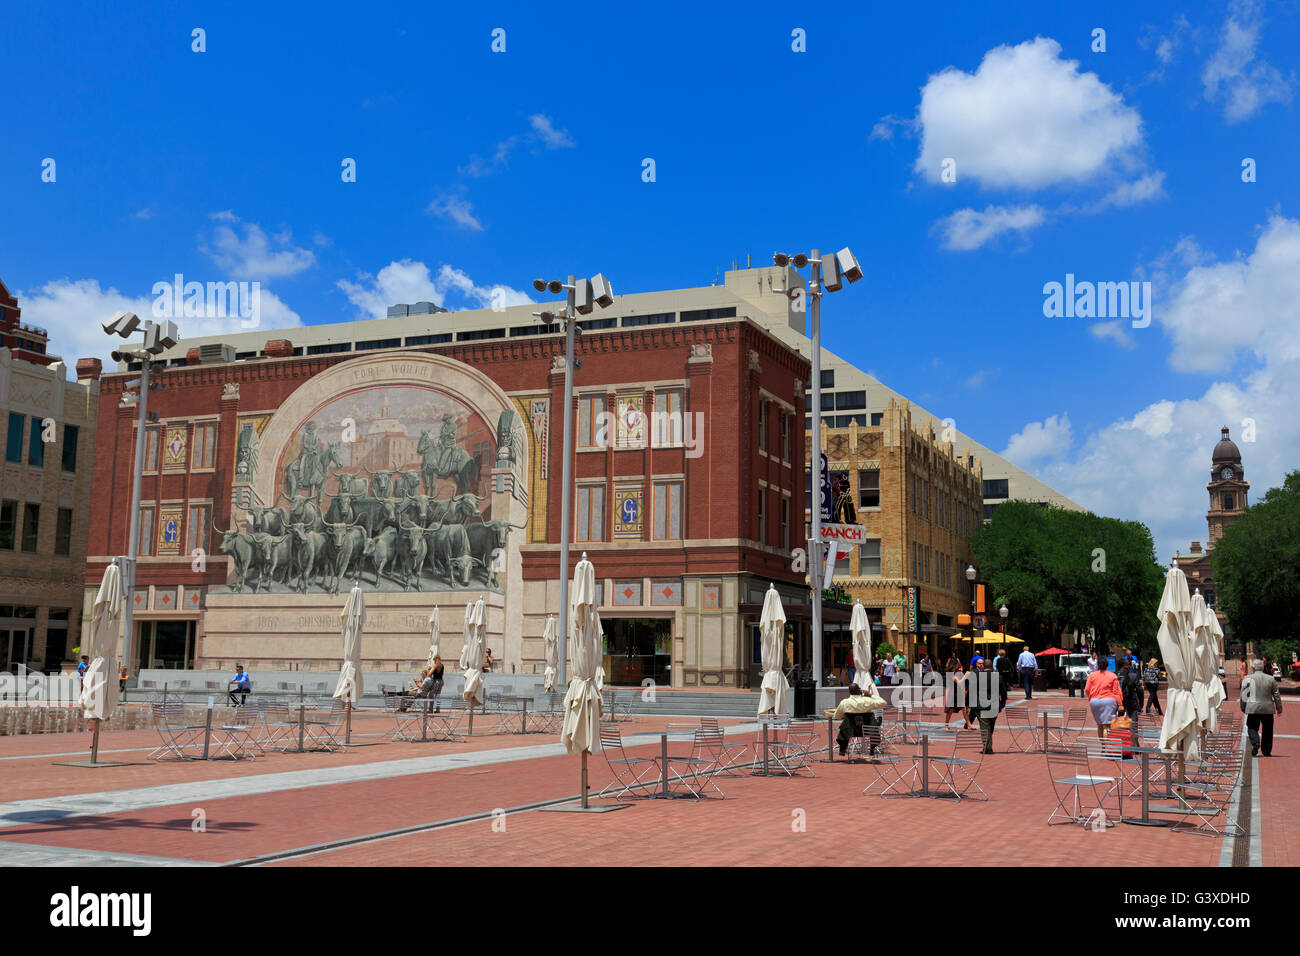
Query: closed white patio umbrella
[580, 733]
[1218, 693]
[1179, 730]
[771, 629]
[435, 635]
[98, 697]
[472, 655]
[552, 655]
[1205, 664]
[860, 627]
[352, 620]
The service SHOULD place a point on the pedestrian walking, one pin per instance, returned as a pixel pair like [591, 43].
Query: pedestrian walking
[1151, 682]
[1027, 665]
[1104, 697]
[1260, 700]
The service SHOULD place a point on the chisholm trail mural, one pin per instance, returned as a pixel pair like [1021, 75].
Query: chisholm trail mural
[386, 485]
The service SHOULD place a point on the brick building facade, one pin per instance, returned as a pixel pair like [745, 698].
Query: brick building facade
[669, 514]
[919, 502]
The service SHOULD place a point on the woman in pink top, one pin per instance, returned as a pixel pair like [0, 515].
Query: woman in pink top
[1104, 697]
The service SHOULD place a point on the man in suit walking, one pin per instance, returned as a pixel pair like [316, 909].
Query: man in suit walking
[1260, 700]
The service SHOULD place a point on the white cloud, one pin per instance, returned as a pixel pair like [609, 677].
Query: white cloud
[410, 281]
[1233, 75]
[252, 256]
[551, 137]
[1025, 118]
[1152, 466]
[458, 209]
[886, 125]
[1249, 304]
[968, 229]
[72, 310]
[1050, 438]
[1144, 189]
[542, 132]
[1113, 332]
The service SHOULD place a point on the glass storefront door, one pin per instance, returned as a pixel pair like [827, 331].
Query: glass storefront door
[637, 649]
[166, 644]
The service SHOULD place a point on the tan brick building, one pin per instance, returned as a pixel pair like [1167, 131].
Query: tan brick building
[918, 501]
[47, 431]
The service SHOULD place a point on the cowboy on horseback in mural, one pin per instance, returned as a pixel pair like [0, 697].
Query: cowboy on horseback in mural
[310, 468]
[447, 459]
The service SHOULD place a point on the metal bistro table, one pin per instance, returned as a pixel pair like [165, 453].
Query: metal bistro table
[920, 771]
[768, 723]
[516, 702]
[691, 761]
[1145, 754]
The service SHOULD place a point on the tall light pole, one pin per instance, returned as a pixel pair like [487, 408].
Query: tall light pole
[157, 339]
[839, 266]
[582, 294]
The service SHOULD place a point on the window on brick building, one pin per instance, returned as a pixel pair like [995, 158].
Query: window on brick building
[668, 510]
[152, 437]
[667, 419]
[70, 435]
[146, 529]
[785, 523]
[869, 558]
[762, 516]
[14, 438]
[591, 513]
[36, 445]
[203, 454]
[31, 526]
[63, 532]
[877, 418]
[197, 528]
[762, 424]
[8, 524]
[589, 409]
[868, 487]
[785, 436]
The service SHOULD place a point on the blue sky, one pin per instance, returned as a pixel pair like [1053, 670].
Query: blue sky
[478, 169]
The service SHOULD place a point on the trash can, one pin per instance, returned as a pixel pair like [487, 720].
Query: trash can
[805, 698]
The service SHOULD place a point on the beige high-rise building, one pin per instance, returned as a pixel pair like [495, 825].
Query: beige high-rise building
[47, 431]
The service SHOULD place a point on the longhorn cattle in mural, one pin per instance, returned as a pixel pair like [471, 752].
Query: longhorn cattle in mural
[377, 505]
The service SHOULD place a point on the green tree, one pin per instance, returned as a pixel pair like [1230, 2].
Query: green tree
[1257, 569]
[1059, 570]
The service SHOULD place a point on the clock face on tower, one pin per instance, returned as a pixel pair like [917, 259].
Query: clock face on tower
[1226, 474]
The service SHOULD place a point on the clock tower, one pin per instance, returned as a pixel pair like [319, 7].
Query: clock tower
[1227, 486]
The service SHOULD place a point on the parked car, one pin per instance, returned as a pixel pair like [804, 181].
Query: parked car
[1074, 669]
[1222, 672]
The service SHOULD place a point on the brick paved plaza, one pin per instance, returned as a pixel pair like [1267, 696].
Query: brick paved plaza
[145, 812]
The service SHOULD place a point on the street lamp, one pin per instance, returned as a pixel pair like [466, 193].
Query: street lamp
[158, 337]
[828, 272]
[1003, 612]
[582, 294]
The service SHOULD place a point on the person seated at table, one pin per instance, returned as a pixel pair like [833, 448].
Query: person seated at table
[850, 713]
[435, 674]
[240, 684]
[415, 686]
[1104, 696]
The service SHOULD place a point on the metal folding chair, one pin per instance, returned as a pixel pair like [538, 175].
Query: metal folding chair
[629, 772]
[1073, 780]
[176, 733]
[713, 744]
[963, 764]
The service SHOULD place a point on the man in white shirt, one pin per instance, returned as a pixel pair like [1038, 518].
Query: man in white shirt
[1092, 662]
[1027, 665]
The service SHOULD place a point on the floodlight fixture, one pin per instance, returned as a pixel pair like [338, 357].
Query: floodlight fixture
[122, 323]
[582, 296]
[800, 261]
[160, 336]
[780, 260]
[602, 291]
[849, 265]
[539, 285]
[555, 287]
[831, 279]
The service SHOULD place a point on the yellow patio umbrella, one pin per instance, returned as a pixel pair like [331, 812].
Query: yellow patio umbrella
[995, 637]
